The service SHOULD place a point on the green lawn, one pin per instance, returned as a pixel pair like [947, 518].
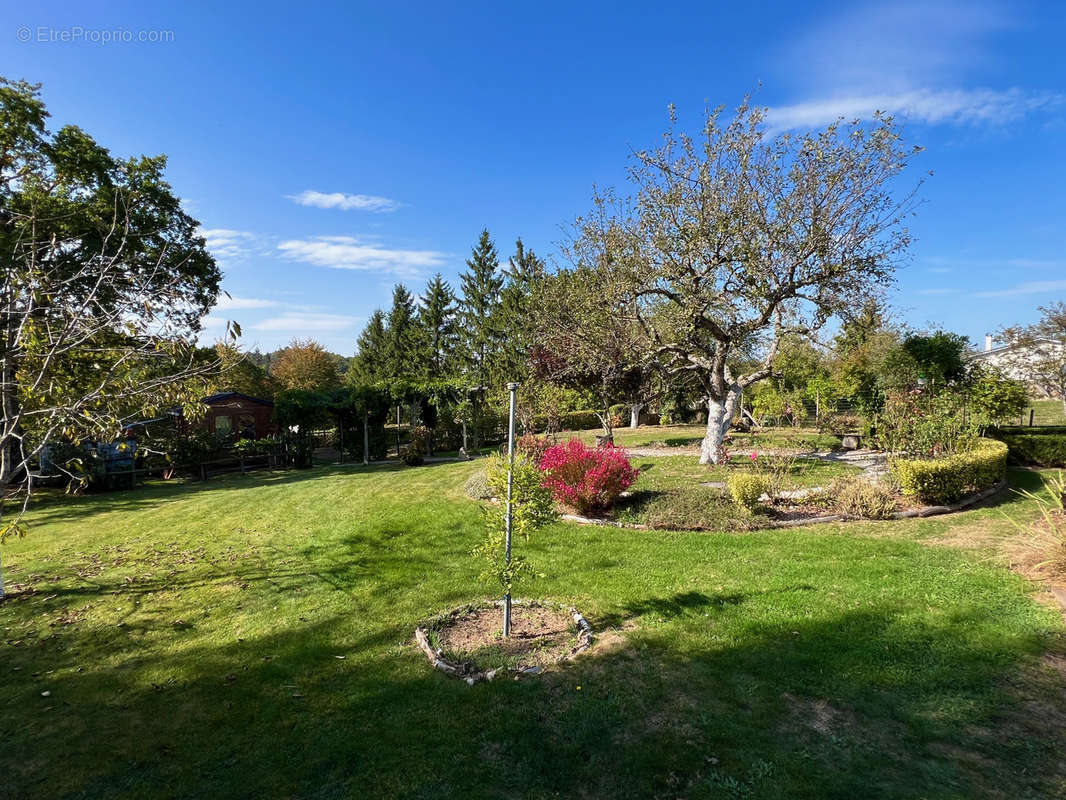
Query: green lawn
[251, 638]
[1047, 412]
[692, 435]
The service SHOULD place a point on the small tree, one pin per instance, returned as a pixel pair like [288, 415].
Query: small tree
[1037, 353]
[531, 508]
[736, 240]
[993, 397]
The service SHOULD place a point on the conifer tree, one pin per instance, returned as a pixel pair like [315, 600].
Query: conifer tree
[479, 315]
[437, 318]
[402, 336]
[371, 360]
[524, 271]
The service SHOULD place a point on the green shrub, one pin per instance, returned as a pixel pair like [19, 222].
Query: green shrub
[945, 480]
[746, 488]
[578, 421]
[477, 486]
[1041, 449]
[857, 497]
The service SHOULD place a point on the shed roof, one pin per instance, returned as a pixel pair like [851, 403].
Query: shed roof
[212, 399]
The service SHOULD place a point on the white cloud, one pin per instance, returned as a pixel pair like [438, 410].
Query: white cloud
[1030, 287]
[345, 202]
[953, 106]
[299, 323]
[938, 291]
[348, 252]
[895, 46]
[228, 245]
[233, 303]
[916, 59]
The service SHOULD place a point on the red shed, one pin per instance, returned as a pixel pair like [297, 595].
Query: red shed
[239, 415]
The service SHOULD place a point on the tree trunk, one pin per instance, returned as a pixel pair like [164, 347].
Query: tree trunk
[634, 414]
[719, 420]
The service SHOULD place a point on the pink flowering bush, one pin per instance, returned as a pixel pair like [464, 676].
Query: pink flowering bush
[586, 478]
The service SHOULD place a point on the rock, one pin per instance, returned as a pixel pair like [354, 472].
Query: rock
[851, 442]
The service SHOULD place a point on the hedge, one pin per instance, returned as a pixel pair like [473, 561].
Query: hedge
[570, 421]
[1041, 449]
[946, 480]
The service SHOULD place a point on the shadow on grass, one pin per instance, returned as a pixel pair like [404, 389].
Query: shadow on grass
[855, 704]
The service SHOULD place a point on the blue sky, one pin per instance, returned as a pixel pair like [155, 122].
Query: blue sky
[332, 149]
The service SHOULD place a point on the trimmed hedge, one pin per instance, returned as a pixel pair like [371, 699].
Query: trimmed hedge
[946, 480]
[570, 421]
[1041, 449]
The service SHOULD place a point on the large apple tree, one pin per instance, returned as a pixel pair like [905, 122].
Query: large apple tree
[737, 238]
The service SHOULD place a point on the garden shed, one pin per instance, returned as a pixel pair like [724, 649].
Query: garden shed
[239, 415]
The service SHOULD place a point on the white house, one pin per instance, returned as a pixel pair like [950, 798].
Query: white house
[1024, 362]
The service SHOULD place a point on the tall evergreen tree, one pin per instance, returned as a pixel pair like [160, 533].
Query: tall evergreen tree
[402, 336]
[371, 360]
[437, 318]
[524, 271]
[480, 332]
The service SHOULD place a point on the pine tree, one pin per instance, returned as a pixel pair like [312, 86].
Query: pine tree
[371, 360]
[437, 318]
[402, 336]
[524, 271]
[479, 314]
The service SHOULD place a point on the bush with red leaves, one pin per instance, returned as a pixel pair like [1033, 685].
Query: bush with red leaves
[586, 478]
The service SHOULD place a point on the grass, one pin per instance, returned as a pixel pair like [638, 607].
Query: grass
[1046, 412]
[692, 435]
[251, 637]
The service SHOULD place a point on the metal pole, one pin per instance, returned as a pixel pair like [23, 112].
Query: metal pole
[512, 388]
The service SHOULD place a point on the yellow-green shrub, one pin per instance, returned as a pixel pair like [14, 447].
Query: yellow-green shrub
[945, 480]
[746, 488]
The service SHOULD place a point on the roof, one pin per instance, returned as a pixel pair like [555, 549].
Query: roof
[212, 399]
[1006, 348]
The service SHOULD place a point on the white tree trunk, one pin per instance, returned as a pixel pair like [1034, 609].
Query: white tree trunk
[719, 420]
[634, 414]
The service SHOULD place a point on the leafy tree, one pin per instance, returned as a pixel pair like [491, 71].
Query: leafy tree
[479, 310]
[105, 280]
[994, 397]
[371, 361]
[239, 373]
[437, 318]
[305, 365]
[938, 356]
[739, 239]
[1037, 353]
[585, 341]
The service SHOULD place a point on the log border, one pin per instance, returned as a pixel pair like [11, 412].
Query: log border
[464, 670]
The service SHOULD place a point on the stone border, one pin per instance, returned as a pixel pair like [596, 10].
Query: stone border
[924, 511]
[462, 670]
